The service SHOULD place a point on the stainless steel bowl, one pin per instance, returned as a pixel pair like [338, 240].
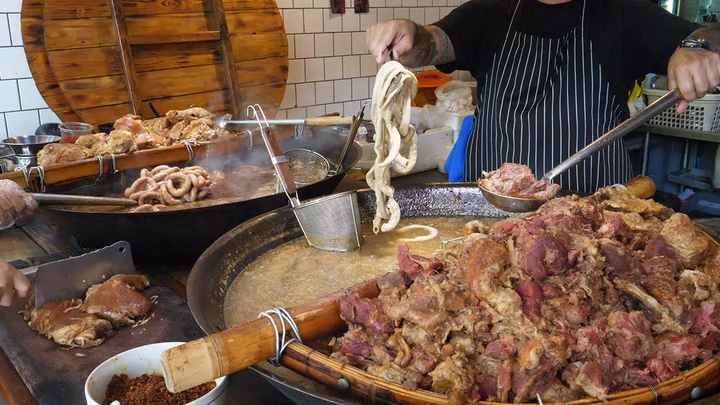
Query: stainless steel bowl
[30, 145]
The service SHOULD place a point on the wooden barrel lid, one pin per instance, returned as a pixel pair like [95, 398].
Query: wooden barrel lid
[96, 60]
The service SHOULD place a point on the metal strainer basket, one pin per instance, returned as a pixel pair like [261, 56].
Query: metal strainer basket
[331, 222]
[307, 167]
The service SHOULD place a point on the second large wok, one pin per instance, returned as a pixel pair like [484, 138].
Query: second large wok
[222, 262]
[180, 236]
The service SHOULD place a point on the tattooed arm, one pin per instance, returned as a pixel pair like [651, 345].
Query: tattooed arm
[412, 44]
[696, 72]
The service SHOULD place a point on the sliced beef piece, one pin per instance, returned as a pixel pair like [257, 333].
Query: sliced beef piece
[665, 322]
[531, 298]
[366, 311]
[628, 335]
[505, 379]
[118, 299]
[545, 255]
[487, 387]
[680, 349]
[635, 377]
[393, 279]
[705, 319]
[695, 287]
[420, 304]
[620, 261]
[453, 375]
[662, 370]
[526, 383]
[690, 244]
[503, 348]
[619, 200]
[590, 342]
[423, 359]
[585, 208]
[616, 228]
[486, 260]
[67, 325]
[417, 267]
[356, 342]
[664, 289]
[589, 377]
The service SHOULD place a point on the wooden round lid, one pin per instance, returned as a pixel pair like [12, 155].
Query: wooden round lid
[97, 60]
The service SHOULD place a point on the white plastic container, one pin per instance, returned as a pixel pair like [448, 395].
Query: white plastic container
[432, 151]
[139, 361]
[701, 115]
[455, 121]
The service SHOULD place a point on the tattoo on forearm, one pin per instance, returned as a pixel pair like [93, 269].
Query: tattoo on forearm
[712, 37]
[431, 46]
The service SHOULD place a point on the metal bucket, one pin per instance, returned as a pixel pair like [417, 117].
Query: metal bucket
[332, 222]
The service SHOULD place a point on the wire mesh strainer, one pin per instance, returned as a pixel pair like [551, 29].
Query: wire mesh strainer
[307, 166]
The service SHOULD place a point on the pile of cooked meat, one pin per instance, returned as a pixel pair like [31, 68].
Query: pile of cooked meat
[517, 181]
[77, 323]
[588, 297]
[131, 133]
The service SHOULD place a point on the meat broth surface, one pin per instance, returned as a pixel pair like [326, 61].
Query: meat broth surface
[295, 273]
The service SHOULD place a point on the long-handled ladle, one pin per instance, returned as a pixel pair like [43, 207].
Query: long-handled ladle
[520, 204]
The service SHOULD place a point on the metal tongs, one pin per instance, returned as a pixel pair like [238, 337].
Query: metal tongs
[276, 154]
[520, 204]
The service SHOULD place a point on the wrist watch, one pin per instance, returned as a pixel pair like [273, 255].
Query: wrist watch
[694, 43]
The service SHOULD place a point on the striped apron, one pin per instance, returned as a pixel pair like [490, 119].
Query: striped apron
[542, 100]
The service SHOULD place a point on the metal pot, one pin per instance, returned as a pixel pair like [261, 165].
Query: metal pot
[180, 236]
[30, 145]
[222, 262]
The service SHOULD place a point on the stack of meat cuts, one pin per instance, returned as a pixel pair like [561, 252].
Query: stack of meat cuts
[109, 305]
[131, 133]
[588, 297]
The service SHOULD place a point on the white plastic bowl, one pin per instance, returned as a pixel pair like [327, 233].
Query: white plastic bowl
[139, 361]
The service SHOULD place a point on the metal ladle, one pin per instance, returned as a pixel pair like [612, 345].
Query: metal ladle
[520, 204]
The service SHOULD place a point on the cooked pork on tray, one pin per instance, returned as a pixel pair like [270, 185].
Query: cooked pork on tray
[517, 181]
[75, 323]
[587, 297]
[132, 133]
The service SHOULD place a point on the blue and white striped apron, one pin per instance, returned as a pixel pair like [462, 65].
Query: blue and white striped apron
[542, 100]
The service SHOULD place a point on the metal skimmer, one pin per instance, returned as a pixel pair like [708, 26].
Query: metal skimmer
[329, 223]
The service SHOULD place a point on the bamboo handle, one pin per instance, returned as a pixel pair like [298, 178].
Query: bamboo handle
[641, 186]
[214, 356]
[329, 121]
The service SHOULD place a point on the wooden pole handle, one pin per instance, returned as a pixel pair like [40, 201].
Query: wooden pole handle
[329, 121]
[223, 353]
[641, 186]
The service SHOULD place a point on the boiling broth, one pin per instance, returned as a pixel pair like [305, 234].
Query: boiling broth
[295, 273]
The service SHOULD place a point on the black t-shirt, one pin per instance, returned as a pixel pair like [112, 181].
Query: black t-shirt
[631, 38]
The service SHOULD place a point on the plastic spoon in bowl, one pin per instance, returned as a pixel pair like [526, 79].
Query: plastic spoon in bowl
[520, 204]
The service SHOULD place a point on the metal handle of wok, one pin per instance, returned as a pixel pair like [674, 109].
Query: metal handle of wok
[627, 126]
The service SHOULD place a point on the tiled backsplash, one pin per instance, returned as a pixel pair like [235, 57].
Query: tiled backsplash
[22, 109]
[330, 67]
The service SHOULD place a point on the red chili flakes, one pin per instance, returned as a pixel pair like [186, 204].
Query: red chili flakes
[150, 389]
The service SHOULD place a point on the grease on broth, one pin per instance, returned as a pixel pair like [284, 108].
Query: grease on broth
[295, 273]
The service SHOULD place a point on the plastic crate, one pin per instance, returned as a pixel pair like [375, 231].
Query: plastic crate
[701, 115]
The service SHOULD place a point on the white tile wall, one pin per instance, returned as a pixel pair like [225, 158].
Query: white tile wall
[330, 68]
[22, 109]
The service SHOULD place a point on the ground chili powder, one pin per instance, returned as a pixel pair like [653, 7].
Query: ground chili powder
[150, 389]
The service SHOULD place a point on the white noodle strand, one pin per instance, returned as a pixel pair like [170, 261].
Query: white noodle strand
[395, 88]
[432, 233]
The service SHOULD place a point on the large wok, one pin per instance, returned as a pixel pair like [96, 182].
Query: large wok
[222, 262]
[180, 236]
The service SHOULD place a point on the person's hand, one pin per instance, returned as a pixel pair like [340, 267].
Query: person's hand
[696, 72]
[11, 282]
[15, 205]
[395, 34]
